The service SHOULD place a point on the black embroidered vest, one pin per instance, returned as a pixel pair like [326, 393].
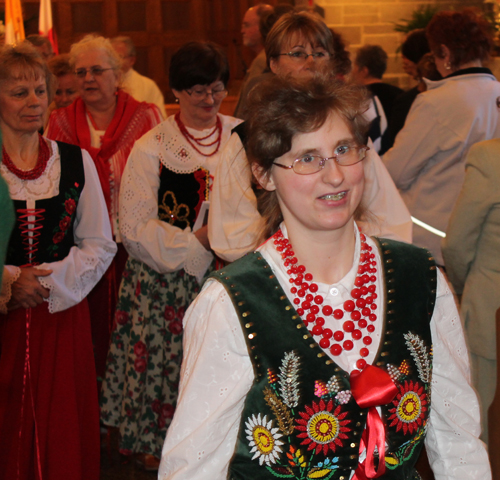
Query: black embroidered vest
[300, 420]
[54, 217]
[180, 196]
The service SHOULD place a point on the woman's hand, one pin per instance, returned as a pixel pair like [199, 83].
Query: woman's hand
[26, 290]
[202, 236]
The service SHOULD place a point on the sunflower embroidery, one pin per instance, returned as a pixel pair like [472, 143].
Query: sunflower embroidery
[264, 439]
[321, 428]
[409, 407]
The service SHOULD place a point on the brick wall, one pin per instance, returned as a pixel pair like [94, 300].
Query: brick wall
[363, 22]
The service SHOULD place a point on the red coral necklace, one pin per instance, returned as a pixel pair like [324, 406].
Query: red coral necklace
[192, 140]
[361, 308]
[41, 164]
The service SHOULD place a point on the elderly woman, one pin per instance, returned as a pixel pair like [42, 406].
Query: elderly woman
[163, 205]
[58, 251]
[298, 45]
[67, 83]
[427, 159]
[106, 122]
[301, 360]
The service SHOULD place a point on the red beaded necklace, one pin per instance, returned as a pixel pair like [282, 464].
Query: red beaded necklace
[41, 164]
[361, 308]
[198, 141]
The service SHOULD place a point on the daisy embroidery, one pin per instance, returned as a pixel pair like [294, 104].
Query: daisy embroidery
[409, 407]
[264, 439]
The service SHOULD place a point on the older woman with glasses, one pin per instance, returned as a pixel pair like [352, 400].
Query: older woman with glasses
[106, 122]
[315, 355]
[164, 199]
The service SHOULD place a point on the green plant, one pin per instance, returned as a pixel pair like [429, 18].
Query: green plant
[419, 19]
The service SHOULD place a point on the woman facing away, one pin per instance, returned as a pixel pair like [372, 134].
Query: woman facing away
[60, 248]
[163, 205]
[316, 355]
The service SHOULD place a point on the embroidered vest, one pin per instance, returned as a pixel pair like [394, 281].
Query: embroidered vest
[300, 420]
[180, 196]
[54, 217]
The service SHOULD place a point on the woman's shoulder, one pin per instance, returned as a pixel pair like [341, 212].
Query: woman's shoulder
[229, 122]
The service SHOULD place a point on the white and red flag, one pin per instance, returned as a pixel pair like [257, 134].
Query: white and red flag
[45, 24]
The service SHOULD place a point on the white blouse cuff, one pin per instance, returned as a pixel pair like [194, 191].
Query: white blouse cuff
[10, 274]
[198, 259]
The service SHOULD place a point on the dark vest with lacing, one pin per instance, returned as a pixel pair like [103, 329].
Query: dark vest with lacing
[54, 217]
[299, 419]
[180, 196]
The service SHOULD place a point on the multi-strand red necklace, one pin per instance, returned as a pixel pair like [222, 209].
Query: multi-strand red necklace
[360, 310]
[41, 164]
[193, 141]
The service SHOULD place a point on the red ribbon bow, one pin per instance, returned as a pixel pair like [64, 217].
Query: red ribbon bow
[372, 388]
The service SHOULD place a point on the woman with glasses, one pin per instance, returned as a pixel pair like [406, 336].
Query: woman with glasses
[315, 355]
[164, 201]
[106, 122]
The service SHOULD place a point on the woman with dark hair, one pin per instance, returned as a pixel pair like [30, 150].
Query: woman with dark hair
[315, 355]
[60, 248]
[164, 200]
[427, 159]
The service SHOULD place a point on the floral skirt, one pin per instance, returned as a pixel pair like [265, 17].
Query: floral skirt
[139, 392]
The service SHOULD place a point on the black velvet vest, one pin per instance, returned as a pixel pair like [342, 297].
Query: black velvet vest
[300, 420]
[55, 217]
[180, 196]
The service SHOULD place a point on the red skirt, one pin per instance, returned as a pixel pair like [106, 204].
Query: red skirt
[49, 415]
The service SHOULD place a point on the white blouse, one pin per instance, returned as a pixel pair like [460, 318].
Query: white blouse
[73, 277]
[217, 374]
[164, 247]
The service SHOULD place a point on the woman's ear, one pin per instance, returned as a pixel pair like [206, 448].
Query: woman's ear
[264, 179]
[273, 65]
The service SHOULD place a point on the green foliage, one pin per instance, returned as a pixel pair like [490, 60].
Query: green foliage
[420, 18]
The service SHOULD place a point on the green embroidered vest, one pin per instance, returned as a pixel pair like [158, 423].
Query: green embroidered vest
[300, 420]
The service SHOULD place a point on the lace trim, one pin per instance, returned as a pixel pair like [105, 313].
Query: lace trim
[198, 259]
[10, 275]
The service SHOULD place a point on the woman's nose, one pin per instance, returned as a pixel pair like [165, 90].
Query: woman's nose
[332, 172]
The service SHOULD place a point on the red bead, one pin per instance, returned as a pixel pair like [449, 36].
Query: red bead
[374, 296]
[338, 335]
[348, 326]
[372, 288]
[318, 299]
[291, 280]
[356, 293]
[369, 300]
[367, 340]
[308, 277]
[320, 321]
[306, 305]
[373, 306]
[348, 305]
[360, 303]
[358, 282]
[309, 297]
[364, 291]
[314, 309]
[338, 314]
[293, 290]
[362, 323]
[301, 293]
[364, 352]
[310, 317]
[317, 330]
[372, 317]
[348, 345]
[324, 343]
[356, 315]
[366, 311]
[373, 279]
[371, 328]
[361, 364]
[336, 349]
[361, 269]
[301, 268]
[327, 310]
[356, 334]
[327, 333]
[300, 311]
[366, 278]
[372, 255]
[304, 286]
[296, 301]
[313, 288]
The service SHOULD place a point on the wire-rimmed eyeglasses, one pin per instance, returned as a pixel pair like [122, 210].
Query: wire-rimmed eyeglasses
[200, 94]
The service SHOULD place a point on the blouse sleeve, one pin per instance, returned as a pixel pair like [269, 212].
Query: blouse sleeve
[158, 244]
[453, 447]
[76, 275]
[216, 375]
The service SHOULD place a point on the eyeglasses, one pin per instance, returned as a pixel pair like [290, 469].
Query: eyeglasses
[200, 94]
[309, 164]
[303, 56]
[94, 71]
